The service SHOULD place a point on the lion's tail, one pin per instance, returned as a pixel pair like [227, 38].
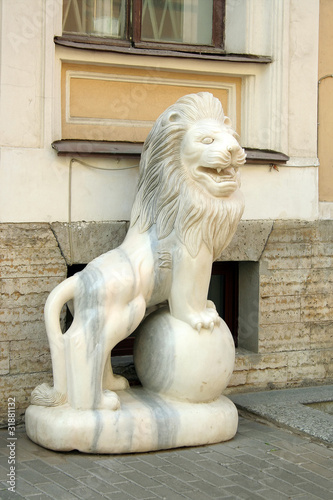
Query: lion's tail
[44, 394]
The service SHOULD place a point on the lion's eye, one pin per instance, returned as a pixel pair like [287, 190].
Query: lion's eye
[207, 140]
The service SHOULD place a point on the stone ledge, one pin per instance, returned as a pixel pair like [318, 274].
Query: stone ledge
[81, 242]
[91, 239]
[248, 242]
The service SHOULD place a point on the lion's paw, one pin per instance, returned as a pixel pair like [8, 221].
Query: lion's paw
[116, 383]
[109, 401]
[207, 319]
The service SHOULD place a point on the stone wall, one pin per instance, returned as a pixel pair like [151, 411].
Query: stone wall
[292, 331]
[31, 266]
[295, 331]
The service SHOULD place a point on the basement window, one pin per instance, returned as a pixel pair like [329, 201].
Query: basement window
[223, 291]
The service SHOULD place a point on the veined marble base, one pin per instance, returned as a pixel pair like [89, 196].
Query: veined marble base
[145, 422]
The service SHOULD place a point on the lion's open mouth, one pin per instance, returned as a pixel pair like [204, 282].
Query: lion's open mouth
[219, 174]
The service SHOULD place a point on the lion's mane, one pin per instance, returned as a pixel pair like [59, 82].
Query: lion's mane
[168, 197]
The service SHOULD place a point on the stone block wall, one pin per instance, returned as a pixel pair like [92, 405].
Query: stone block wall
[294, 331]
[31, 266]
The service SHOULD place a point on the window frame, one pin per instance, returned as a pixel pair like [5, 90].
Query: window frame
[133, 34]
[217, 32]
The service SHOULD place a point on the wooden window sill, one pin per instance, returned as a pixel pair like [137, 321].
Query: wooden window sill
[73, 147]
[122, 47]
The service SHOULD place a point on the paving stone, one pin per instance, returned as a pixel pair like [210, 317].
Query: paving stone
[315, 490]
[64, 480]
[291, 446]
[97, 484]
[108, 476]
[227, 454]
[173, 470]
[282, 464]
[5, 494]
[258, 463]
[207, 488]
[246, 482]
[143, 467]
[323, 460]
[39, 496]
[270, 494]
[246, 470]
[4, 470]
[56, 492]
[319, 448]
[135, 490]
[216, 468]
[314, 478]
[73, 470]
[223, 457]
[175, 484]
[240, 492]
[114, 465]
[165, 493]
[153, 459]
[289, 457]
[281, 486]
[24, 488]
[200, 495]
[318, 469]
[284, 475]
[84, 493]
[84, 462]
[140, 479]
[40, 466]
[33, 477]
[214, 479]
[192, 454]
[305, 496]
[185, 464]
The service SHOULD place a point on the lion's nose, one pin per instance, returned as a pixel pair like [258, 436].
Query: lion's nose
[235, 152]
[233, 148]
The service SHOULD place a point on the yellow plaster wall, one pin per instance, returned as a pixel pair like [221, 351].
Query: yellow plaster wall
[325, 101]
[121, 104]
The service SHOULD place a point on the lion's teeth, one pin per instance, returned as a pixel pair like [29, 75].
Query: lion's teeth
[219, 170]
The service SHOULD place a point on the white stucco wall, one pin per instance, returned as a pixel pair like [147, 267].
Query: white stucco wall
[278, 112]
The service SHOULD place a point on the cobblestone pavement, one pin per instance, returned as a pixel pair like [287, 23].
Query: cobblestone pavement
[261, 462]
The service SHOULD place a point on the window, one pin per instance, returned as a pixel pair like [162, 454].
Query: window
[223, 291]
[165, 24]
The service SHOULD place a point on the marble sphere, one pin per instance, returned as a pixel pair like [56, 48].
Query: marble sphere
[177, 361]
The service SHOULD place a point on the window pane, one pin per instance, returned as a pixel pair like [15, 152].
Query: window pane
[177, 21]
[95, 17]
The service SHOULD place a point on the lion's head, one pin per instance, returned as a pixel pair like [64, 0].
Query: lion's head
[189, 175]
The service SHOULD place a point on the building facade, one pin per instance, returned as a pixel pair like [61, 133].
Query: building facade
[81, 84]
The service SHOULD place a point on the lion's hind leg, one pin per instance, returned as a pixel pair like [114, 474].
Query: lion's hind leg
[132, 315]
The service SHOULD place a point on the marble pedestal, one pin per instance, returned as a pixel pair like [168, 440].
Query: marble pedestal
[146, 422]
[183, 373]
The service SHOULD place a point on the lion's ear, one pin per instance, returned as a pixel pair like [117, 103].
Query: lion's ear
[227, 121]
[171, 117]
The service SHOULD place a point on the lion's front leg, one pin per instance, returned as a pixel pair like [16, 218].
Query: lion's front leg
[188, 296]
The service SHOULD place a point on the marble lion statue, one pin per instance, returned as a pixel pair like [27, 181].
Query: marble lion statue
[186, 210]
